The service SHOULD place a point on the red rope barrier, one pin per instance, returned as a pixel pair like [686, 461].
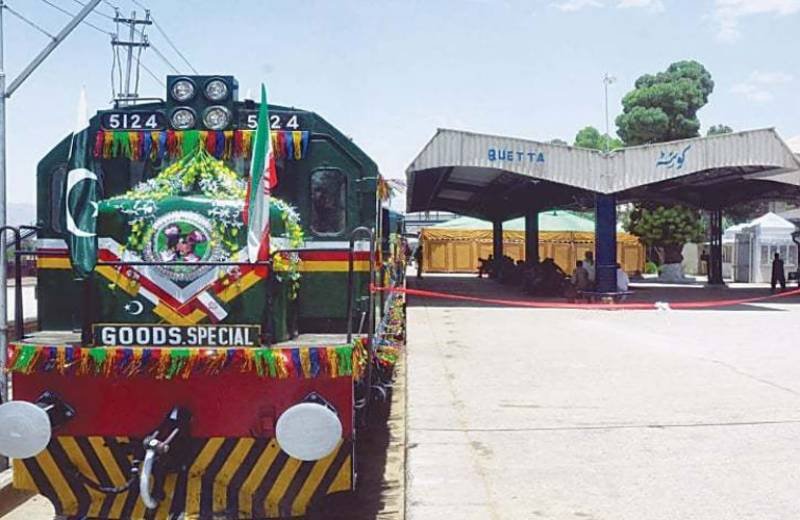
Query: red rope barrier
[603, 306]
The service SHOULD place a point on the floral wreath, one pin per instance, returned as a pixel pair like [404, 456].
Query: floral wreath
[200, 172]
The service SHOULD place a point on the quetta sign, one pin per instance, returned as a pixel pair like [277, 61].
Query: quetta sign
[176, 336]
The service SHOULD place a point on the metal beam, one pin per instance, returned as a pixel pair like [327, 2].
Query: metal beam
[532, 236]
[50, 47]
[5, 93]
[497, 243]
[438, 186]
[715, 258]
[606, 243]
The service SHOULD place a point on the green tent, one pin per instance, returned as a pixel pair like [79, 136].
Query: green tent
[548, 221]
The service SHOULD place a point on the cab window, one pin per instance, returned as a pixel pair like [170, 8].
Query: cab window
[328, 196]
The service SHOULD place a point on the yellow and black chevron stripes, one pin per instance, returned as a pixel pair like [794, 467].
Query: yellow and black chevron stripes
[224, 478]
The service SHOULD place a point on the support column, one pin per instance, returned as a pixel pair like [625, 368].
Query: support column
[532, 236]
[497, 243]
[605, 242]
[715, 256]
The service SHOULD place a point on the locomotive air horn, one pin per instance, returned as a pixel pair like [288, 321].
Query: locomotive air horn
[26, 428]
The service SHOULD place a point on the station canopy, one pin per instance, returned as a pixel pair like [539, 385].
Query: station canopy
[498, 178]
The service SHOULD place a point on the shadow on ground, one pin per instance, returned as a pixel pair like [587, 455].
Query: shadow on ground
[718, 297]
[380, 467]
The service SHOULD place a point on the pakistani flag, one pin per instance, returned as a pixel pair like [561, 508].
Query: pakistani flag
[81, 197]
[262, 179]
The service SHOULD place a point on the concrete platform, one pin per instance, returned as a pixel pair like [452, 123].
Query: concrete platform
[520, 413]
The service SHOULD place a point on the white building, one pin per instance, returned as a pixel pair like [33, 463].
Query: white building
[748, 249]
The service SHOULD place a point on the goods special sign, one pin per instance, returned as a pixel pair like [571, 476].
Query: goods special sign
[117, 335]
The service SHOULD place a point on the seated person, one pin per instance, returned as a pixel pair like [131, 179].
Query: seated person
[580, 277]
[623, 282]
[485, 266]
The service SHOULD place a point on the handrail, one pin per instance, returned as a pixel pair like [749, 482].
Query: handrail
[350, 289]
[19, 315]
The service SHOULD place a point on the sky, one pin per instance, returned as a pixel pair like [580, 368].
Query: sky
[388, 73]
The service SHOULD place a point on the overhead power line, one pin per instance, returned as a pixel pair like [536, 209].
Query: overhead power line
[112, 6]
[150, 72]
[28, 21]
[84, 21]
[116, 64]
[166, 37]
[97, 11]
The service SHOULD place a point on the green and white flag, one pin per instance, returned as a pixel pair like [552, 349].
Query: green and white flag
[81, 196]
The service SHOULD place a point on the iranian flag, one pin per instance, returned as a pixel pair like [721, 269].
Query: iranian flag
[263, 178]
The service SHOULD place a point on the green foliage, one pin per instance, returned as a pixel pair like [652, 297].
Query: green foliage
[665, 226]
[663, 107]
[590, 137]
[650, 268]
[746, 211]
[719, 129]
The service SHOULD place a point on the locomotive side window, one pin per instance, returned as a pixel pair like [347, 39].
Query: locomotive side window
[328, 198]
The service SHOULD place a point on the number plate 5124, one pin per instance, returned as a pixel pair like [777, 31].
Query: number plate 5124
[140, 120]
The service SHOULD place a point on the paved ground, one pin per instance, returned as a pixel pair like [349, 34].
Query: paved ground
[557, 414]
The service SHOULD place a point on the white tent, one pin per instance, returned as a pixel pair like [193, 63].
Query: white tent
[748, 249]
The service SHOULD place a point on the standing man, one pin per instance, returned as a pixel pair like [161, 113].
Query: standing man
[418, 260]
[778, 276]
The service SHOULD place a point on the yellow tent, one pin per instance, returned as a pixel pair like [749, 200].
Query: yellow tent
[456, 246]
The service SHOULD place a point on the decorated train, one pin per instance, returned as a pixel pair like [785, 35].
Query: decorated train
[176, 371]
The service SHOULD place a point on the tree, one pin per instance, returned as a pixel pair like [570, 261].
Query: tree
[719, 130]
[590, 137]
[663, 107]
[667, 228]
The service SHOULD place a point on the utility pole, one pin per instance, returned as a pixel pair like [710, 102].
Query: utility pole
[131, 45]
[607, 80]
[4, 94]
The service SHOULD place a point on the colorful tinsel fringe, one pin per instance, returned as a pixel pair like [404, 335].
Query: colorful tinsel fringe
[174, 144]
[391, 332]
[169, 363]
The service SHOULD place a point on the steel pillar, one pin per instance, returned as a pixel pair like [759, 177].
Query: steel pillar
[605, 242]
[532, 236]
[497, 243]
[715, 256]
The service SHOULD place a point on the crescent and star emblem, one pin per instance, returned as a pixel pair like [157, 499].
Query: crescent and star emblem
[73, 178]
[134, 307]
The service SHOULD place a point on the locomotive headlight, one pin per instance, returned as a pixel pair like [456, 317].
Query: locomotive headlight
[216, 90]
[217, 117]
[183, 90]
[183, 118]
[26, 428]
[310, 430]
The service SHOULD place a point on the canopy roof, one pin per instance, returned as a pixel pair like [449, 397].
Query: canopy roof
[495, 177]
[548, 221]
[768, 224]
